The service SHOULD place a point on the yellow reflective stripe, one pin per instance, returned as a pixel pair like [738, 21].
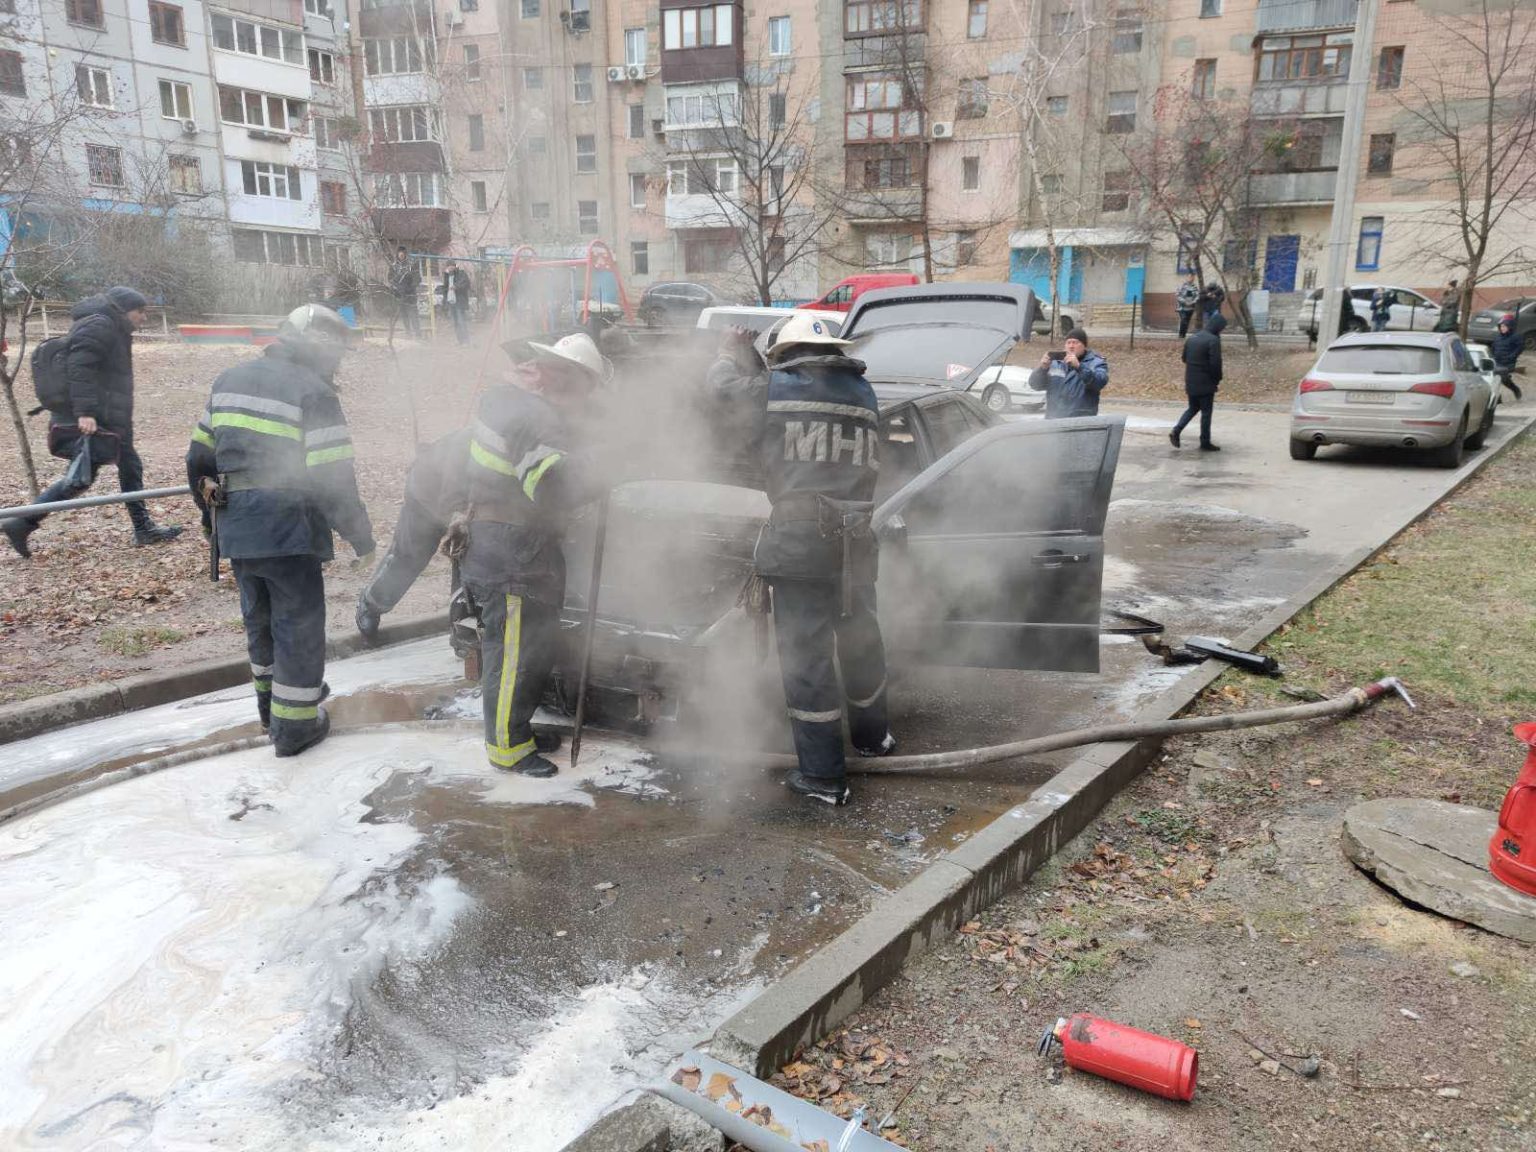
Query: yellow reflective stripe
[531, 481]
[295, 711]
[329, 455]
[509, 757]
[256, 424]
[511, 643]
[201, 437]
[484, 457]
[263, 683]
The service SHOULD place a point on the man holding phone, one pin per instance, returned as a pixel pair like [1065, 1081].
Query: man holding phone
[1071, 379]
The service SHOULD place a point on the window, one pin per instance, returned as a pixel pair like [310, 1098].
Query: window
[1389, 69]
[581, 15]
[881, 107]
[533, 79]
[634, 47]
[407, 190]
[1060, 22]
[165, 24]
[586, 155]
[1188, 257]
[637, 121]
[1203, 86]
[1368, 252]
[1117, 192]
[1051, 184]
[712, 26]
[972, 104]
[976, 20]
[396, 55]
[776, 180]
[477, 133]
[530, 9]
[539, 210]
[279, 181]
[1122, 112]
[84, 12]
[873, 17]
[256, 247]
[322, 67]
[326, 134]
[1209, 9]
[477, 195]
[970, 174]
[94, 86]
[1056, 105]
[637, 190]
[1383, 145]
[701, 176]
[1127, 38]
[887, 248]
[403, 124]
[965, 248]
[581, 83]
[105, 165]
[318, 8]
[538, 145]
[778, 110]
[640, 257]
[250, 39]
[186, 175]
[1239, 257]
[13, 82]
[778, 253]
[586, 217]
[175, 100]
[1286, 58]
[471, 61]
[333, 197]
[705, 254]
[701, 105]
[778, 36]
[876, 167]
[260, 110]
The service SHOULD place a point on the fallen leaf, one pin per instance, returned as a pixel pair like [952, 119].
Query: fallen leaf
[687, 1079]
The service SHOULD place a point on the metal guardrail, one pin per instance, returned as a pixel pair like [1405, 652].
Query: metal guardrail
[95, 501]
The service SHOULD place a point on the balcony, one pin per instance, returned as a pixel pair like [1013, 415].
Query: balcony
[415, 156]
[701, 42]
[1293, 15]
[405, 19]
[703, 210]
[419, 228]
[1272, 189]
[1314, 98]
[882, 206]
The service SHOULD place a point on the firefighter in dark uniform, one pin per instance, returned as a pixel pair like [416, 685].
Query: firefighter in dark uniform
[271, 469]
[818, 554]
[523, 486]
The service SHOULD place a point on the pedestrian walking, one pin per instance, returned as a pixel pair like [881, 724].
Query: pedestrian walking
[1071, 379]
[1212, 297]
[93, 366]
[1202, 377]
[270, 467]
[454, 291]
[404, 283]
[1185, 301]
[1381, 308]
[1450, 308]
[818, 554]
[524, 484]
[1507, 346]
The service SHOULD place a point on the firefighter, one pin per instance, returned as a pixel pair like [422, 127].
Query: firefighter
[523, 486]
[818, 553]
[271, 469]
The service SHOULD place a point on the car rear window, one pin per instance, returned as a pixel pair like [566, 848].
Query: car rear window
[1381, 360]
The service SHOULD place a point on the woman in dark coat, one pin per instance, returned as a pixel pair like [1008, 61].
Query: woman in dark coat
[1202, 376]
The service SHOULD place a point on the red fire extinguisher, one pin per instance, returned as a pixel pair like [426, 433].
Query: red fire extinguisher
[1512, 851]
[1127, 1055]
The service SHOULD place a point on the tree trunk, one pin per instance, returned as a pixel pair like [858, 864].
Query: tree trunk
[927, 232]
[8, 379]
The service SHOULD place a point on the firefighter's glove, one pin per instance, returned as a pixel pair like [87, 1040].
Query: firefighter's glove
[209, 490]
[456, 542]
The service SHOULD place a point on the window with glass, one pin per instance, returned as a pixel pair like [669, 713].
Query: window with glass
[581, 83]
[701, 106]
[260, 110]
[1283, 59]
[1368, 250]
[586, 217]
[321, 8]
[186, 174]
[322, 67]
[403, 124]
[640, 257]
[876, 167]
[13, 81]
[1383, 146]
[710, 26]
[875, 17]
[333, 198]
[471, 61]
[278, 181]
[539, 210]
[965, 247]
[634, 47]
[407, 190]
[1389, 68]
[702, 176]
[396, 55]
[1209, 8]
[637, 121]
[326, 133]
[886, 248]
[93, 86]
[778, 36]
[252, 39]
[972, 104]
[476, 132]
[1056, 105]
[637, 190]
[538, 145]
[1050, 184]
[970, 174]
[778, 110]
[881, 107]
[1203, 84]
[581, 15]
[1122, 113]
[166, 25]
[586, 155]
[1117, 192]
[1127, 32]
[175, 100]
[976, 20]
[533, 79]
[530, 9]
[105, 165]
[253, 246]
[1061, 22]
[706, 254]
[477, 195]
[87, 12]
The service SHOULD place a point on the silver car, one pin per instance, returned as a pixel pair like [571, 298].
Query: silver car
[1394, 389]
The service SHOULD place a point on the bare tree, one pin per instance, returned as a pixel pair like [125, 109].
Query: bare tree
[1474, 138]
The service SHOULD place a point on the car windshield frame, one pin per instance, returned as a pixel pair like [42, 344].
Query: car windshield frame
[1350, 352]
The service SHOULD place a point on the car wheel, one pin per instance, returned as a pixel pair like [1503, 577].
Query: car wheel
[648, 317]
[996, 398]
[1477, 439]
[1303, 449]
[1455, 452]
[1067, 325]
[1356, 324]
[1529, 343]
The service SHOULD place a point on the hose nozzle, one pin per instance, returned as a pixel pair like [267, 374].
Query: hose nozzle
[1393, 685]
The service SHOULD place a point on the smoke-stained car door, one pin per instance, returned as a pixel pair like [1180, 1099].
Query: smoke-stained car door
[993, 556]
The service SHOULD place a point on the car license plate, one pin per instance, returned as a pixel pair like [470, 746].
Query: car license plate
[1370, 397]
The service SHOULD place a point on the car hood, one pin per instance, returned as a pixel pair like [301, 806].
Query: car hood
[946, 334]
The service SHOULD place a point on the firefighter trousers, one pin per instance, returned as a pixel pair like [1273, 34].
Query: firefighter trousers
[417, 535]
[816, 642]
[517, 652]
[282, 599]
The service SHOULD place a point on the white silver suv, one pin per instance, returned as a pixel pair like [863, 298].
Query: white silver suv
[1411, 311]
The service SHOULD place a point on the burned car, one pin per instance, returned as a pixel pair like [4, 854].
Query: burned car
[991, 531]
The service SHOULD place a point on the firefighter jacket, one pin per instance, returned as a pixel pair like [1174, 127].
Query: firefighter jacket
[523, 487]
[439, 478]
[818, 453]
[275, 438]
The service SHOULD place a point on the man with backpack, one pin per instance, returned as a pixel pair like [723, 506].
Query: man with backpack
[85, 380]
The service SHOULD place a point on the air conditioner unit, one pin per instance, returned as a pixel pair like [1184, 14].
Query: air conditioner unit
[635, 71]
[189, 127]
[615, 73]
[941, 130]
[656, 125]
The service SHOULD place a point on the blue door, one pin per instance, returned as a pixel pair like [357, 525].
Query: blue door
[1280, 257]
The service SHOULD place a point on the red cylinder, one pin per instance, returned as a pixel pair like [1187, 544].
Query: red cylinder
[1512, 851]
[1129, 1055]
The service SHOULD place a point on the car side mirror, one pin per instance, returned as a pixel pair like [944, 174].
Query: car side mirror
[894, 531]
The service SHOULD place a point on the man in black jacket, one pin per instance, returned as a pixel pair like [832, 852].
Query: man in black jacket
[404, 282]
[99, 367]
[455, 291]
[1202, 376]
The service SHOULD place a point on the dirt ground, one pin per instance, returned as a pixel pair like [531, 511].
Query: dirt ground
[1211, 903]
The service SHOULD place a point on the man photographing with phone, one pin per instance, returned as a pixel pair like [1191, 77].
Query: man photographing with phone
[1071, 379]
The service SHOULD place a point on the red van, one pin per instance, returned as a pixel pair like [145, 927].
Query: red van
[841, 298]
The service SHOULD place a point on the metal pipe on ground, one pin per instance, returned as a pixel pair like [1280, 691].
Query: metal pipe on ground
[95, 501]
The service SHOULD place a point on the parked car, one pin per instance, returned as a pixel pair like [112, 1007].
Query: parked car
[1484, 324]
[1394, 389]
[1482, 359]
[1411, 311]
[1071, 314]
[842, 296]
[675, 303]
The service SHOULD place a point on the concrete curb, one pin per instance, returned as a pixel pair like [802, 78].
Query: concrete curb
[30, 717]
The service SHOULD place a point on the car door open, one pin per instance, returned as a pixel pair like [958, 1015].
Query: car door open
[993, 556]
